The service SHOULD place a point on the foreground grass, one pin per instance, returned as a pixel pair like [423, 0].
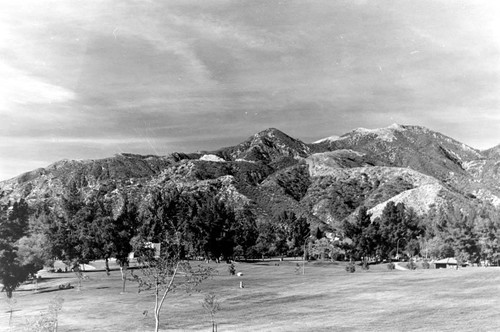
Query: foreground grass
[276, 298]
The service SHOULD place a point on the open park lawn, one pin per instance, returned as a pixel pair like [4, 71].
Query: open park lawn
[276, 298]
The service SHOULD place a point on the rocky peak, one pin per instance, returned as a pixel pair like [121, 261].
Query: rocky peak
[266, 146]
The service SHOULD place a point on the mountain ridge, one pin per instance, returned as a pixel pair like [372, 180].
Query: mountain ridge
[326, 181]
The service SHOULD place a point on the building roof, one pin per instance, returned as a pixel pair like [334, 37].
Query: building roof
[449, 260]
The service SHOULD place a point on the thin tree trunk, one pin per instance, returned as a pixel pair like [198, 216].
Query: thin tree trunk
[79, 276]
[159, 302]
[157, 308]
[123, 271]
[157, 314]
[107, 266]
[10, 301]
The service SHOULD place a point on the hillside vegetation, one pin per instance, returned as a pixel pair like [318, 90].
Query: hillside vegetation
[269, 195]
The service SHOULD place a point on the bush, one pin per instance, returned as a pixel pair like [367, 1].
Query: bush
[425, 264]
[351, 268]
[231, 269]
[391, 266]
[411, 265]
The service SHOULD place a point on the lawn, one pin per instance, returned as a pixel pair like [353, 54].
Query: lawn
[277, 298]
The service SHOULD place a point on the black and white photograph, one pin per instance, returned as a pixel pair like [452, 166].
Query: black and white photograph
[249, 165]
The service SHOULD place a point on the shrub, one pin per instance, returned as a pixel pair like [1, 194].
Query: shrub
[231, 269]
[411, 265]
[391, 266]
[425, 264]
[350, 267]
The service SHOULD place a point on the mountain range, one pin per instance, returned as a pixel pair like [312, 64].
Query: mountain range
[326, 181]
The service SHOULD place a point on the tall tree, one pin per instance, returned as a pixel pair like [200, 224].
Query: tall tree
[488, 231]
[399, 227]
[13, 226]
[164, 220]
[119, 237]
[246, 232]
[364, 235]
[212, 228]
[299, 232]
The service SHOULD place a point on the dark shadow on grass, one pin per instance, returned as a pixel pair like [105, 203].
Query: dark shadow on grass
[15, 310]
[24, 290]
[50, 290]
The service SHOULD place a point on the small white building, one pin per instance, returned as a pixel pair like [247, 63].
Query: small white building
[446, 263]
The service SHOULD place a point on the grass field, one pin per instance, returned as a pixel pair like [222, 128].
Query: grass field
[276, 298]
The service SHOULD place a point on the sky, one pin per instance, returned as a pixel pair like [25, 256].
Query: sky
[88, 79]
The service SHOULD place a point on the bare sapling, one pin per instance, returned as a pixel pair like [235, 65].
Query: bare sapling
[164, 275]
[211, 305]
[47, 321]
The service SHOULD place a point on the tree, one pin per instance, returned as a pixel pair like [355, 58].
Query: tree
[212, 228]
[364, 234]
[291, 233]
[398, 222]
[164, 275]
[12, 272]
[61, 230]
[13, 226]
[321, 247]
[246, 233]
[33, 251]
[95, 234]
[69, 232]
[487, 228]
[165, 218]
[298, 235]
[211, 306]
[14, 223]
[48, 320]
[318, 234]
[264, 245]
[462, 235]
[117, 235]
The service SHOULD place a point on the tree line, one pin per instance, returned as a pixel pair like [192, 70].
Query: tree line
[468, 234]
[197, 225]
[190, 225]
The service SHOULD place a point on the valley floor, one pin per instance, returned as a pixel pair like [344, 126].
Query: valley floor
[276, 297]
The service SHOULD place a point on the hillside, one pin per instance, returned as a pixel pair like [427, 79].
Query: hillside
[493, 153]
[325, 182]
[415, 147]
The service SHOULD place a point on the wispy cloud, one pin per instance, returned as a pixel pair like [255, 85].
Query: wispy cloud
[20, 88]
[86, 79]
